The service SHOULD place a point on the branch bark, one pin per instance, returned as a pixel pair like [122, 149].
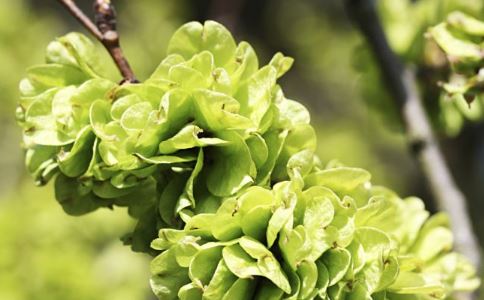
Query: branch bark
[105, 31]
[401, 83]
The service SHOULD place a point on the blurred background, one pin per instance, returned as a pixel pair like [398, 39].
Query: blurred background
[45, 254]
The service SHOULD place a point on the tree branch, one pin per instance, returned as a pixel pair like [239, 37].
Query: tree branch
[401, 83]
[105, 31]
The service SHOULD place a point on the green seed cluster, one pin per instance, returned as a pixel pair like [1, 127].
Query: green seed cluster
[206, 124]
[323, 234]
[209, 155]
[461, 38]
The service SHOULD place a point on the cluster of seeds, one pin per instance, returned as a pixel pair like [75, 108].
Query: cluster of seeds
[210, 156]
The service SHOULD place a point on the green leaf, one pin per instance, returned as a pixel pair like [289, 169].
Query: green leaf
[323, 278]
[466, 23]
[62, 109]
[255, 211]
[41, 126]
[338, 291]
[337, 261]
[221, 282]
[177, 107]
[283, 215]
[122, 104]
[187, 77]
[432, 243]
[256, 95]
[145, 230]
[242, 289]
[226, 225]
[254, 248]
[253, 197]
[38, 158]
[163, 69]
[380, 212]
[167, 238]
[244, 65]
[99, 115]
[189, 137]
[301, 137]
[82, 50]
[414, 283]
[258, 149]
[167, 276]
[299, 165]
[147, 91]
[168, 159]
[216, 111]
[295, 282]
[136, 116]
[222, 82]
[291, 114]
[85, 95]
[308, 273]
[266, 290]
[75, 199]
[190, 292]
[187, 199]
[271, 269]
[76, 161]
[204, 264]
[458, 271]
[193, 38]
[275, 142]
[240, 263]
[390, 272]
[186, 250]
[455, 47]
[318, 214]
[295, 246]
[281, 63]
[233, 167]
[375, 243]
[340, 179]
[169, 197]
[55, 75]
[255, 222]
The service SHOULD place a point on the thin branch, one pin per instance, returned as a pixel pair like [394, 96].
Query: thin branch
[401, 83]
[105, 31]
[77, 13]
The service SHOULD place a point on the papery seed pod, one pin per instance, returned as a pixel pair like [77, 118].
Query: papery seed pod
[207, 123]
[324, 234]
[209, 154]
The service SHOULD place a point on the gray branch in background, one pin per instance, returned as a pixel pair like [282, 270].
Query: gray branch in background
[401, 83]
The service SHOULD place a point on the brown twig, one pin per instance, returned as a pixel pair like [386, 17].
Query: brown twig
[105, 31]
[401, 83]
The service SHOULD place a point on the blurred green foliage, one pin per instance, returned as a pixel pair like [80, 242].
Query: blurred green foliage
[18, 46]
[45, 254]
